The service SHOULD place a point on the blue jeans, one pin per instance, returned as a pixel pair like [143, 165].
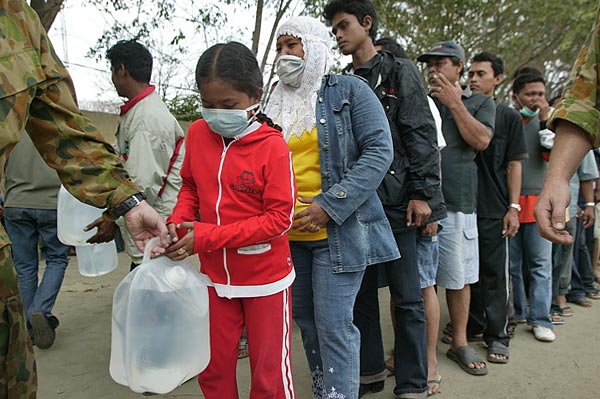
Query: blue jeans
[582, 278]
[531, 264]
[25, 227]
[322, 306]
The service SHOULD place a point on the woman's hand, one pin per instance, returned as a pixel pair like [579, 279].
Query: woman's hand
[311, 219]
[180, 248]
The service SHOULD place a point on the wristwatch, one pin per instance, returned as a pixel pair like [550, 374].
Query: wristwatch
[129, 204]
[590, 204]
[515, 206]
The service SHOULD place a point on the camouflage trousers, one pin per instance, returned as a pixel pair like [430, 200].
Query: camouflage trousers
[18, 376]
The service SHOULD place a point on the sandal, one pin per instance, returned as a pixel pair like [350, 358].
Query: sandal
[243, 348]
[447, 335]
[510, 329]
[464, 356]
[497, 348]
[436, 381]
[593, 295]
[556, 319]
[566, 311]
[583, 302]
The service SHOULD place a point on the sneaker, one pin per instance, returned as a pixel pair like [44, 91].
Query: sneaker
[43, 333]
[543, 334]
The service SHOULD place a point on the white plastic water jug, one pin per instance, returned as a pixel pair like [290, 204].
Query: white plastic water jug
[73, 216]
[160, 326]
[98, 259]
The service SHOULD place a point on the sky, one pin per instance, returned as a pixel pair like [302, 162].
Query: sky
[74, 31]
[79, 25]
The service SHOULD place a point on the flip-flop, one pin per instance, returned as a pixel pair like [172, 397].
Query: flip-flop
[593, 295]
[556, 319]
[566, 311]
[243, 349]
[437, 381]
[464, 356]
[583, 302]
[497, 348]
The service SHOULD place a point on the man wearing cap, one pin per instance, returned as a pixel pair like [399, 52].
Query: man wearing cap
[411, 182]
[468, 124]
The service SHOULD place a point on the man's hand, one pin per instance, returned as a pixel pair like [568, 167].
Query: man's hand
[449, 94]
[429, 230]
[144, 223]
[544, 107]
[417, 213]
[311, 219]
[510, 223]
[105, 233]
[550, 211]
[587, 216]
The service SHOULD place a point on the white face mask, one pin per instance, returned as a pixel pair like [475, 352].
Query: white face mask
[290, 68]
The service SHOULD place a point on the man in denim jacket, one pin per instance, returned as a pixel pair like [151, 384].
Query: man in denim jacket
[411, 181]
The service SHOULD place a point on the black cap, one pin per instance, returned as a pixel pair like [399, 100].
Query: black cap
[444, 49]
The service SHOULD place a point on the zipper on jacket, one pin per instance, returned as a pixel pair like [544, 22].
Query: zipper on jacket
[225, 148]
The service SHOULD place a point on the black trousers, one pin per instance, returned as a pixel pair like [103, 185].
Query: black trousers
[489, 296]
[410, 346]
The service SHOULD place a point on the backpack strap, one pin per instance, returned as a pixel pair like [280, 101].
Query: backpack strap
[171, 163]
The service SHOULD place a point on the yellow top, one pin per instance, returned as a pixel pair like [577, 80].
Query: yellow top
[307, 168]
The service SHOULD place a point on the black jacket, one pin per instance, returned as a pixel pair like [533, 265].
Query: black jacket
[415, 171]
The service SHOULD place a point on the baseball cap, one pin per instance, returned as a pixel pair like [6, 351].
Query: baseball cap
[444, 49]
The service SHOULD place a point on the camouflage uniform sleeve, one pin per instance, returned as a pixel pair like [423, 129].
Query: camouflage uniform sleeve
[88, 166]
[580, 100]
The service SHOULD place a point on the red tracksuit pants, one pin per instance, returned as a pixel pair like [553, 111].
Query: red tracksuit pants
[268, 324]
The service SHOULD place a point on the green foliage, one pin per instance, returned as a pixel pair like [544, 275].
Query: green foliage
[185, 107]
[540, 33]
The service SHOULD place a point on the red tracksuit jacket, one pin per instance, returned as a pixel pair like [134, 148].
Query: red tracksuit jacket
[244, 193]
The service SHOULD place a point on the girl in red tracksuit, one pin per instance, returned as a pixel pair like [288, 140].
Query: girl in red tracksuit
[238, 182]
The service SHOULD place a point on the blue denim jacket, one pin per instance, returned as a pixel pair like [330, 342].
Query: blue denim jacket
[355, 149]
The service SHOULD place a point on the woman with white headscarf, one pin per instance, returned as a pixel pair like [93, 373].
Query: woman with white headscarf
[341, 148]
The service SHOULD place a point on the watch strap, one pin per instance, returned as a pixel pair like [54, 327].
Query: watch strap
[129, 204]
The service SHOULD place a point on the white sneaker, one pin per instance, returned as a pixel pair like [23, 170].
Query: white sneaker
[543, 334]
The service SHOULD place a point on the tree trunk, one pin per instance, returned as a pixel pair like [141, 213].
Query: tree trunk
[47, 10]
[257, 25]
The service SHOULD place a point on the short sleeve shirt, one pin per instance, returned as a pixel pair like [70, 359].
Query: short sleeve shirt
[587, 171]
[459, 171]
[508, 144]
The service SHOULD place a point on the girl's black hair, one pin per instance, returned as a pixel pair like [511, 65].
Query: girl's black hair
[235, 64]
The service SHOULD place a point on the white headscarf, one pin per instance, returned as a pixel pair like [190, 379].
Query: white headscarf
[293, 108]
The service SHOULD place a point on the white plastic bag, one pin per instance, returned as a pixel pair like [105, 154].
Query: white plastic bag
[160, 325]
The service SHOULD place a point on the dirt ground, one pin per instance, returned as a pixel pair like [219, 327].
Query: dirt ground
[76, 367]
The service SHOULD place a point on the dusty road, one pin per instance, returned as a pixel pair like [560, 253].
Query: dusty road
[76, 367]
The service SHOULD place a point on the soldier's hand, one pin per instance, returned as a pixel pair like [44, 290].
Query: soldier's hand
[144, 223]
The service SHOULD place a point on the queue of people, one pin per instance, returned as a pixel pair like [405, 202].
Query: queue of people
[301, 208]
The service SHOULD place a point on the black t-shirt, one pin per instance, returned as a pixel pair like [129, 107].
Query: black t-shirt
[508, 144]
